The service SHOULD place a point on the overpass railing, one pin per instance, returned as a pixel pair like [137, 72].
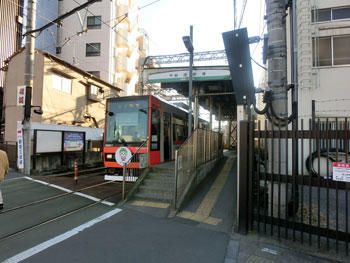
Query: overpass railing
[202, 147]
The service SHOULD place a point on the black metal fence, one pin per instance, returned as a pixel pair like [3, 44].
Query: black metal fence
[298, 181]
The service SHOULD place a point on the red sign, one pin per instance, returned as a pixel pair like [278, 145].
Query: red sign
[341, 172]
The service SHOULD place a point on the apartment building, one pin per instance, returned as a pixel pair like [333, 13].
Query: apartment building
[324, 58]
[104, 40]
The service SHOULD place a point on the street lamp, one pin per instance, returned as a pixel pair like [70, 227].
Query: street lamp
[188, 41]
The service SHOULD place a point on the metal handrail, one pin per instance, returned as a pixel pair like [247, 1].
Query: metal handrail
[194, 165]
[138, 149]
[126, 163]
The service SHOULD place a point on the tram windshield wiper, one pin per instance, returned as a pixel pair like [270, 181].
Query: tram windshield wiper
[144, 111]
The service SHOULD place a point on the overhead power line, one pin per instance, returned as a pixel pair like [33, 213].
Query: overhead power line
[60, 18]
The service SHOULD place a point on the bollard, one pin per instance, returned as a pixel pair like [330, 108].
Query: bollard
[76, 172]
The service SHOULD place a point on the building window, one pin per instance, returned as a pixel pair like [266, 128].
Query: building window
[95, 73]
[330, 51]
[58, 50]
[61, 83]
[330, 14]
[93, 90]
[341, 13]
[322, 51]
[341, 50]
[93, 49]
[94, 22]
[321, 15]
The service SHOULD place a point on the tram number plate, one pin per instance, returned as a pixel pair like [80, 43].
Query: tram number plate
[341, 172]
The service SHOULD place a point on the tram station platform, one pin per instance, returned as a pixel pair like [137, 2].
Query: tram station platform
[203, 231]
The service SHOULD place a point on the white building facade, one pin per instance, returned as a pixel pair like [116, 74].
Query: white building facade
[323, 58]
[102, 40]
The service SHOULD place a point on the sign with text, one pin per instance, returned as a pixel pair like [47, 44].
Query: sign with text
[21, 95]
[20, 159]
[341, 172]
[73, 141]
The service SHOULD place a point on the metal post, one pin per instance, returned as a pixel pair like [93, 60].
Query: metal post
[190, 86]
[210, 112]
[123, 191]
[219, 118]
[29, 75]
[196, 110]
[76, 172]
[229, 134]
[176, 176]
[243, 179]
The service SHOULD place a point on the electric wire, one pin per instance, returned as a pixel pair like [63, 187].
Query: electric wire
[242, 13]
[67, 40]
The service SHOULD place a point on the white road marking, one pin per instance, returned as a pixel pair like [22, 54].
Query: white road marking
[35, 250]
[70, 191]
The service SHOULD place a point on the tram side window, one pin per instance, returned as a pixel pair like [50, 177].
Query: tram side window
[155, 130]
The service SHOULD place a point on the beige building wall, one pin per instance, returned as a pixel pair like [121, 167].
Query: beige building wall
[327, 85]
[15, 78]
[78, 108]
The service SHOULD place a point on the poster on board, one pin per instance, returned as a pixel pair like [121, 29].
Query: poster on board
[73, 141]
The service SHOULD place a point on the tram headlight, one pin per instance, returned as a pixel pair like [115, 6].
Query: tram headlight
[109, 156]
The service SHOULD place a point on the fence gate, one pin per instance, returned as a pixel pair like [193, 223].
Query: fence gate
[298, 181]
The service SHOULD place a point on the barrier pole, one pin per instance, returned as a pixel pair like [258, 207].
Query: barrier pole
[76, 172]
[124, 170]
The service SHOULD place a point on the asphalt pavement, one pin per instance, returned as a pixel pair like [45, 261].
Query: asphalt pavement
[202, 232]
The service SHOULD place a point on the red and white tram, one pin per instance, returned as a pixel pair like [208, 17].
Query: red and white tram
[130, 121]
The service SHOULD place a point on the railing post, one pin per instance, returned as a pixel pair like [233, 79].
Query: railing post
[176, 176]
[243, 177]
[123, 191]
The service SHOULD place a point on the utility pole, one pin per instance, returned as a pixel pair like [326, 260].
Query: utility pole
[277, 58]
[188, 41]
[28, 81]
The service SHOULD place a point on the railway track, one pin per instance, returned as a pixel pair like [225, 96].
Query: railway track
[24, 230]
[54, 197]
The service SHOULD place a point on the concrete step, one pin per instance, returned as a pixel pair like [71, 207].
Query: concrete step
[157, 189]
[153, 197]
[162, 170]
[166, 182]
[154, 175]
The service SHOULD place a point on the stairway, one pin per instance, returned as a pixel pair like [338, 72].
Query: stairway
[158, 185]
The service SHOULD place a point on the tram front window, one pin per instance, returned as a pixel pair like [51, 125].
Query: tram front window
[127, 122]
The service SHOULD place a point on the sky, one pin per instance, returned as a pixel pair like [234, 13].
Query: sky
[166, 21]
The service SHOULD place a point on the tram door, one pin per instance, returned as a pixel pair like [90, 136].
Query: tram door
[167, 136]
